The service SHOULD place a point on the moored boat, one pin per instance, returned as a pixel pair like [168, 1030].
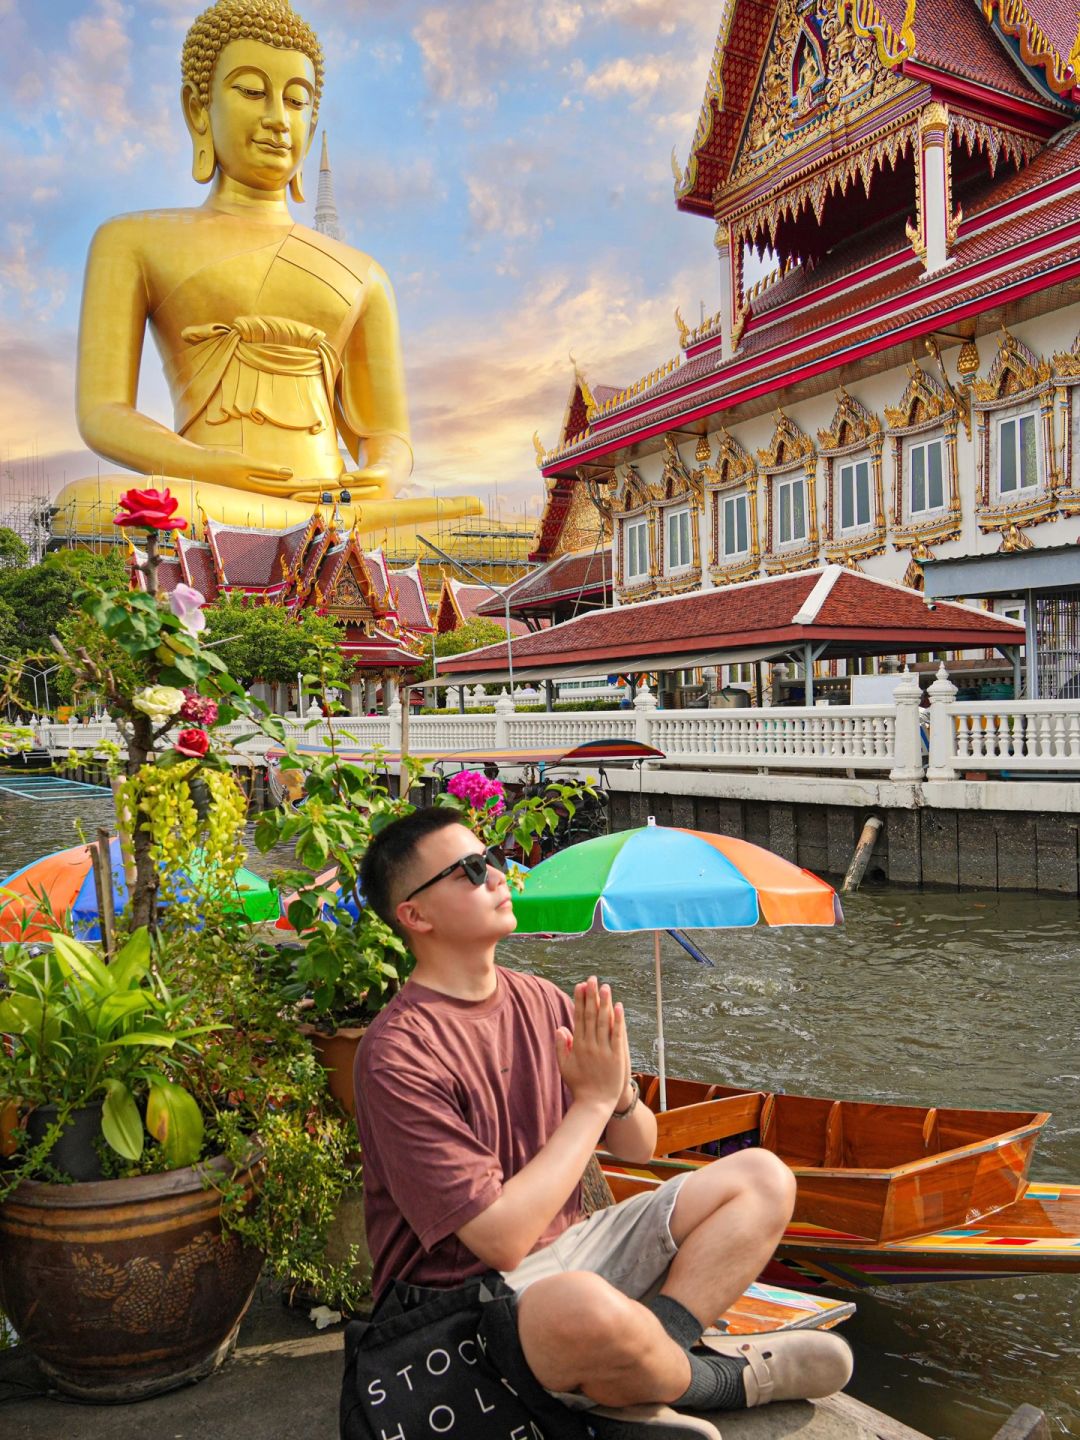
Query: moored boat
[886, 1193]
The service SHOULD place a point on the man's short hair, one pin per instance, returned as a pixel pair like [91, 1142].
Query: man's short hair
[391, 851]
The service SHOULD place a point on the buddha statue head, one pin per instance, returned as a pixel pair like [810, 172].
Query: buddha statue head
[253, 76]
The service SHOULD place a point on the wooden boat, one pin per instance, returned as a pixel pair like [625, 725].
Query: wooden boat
[886, 1193]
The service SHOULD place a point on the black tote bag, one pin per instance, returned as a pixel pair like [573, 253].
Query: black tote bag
[446, 1362]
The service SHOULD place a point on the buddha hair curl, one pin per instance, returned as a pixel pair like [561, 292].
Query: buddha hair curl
[272, 22]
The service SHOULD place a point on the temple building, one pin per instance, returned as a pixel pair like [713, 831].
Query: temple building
[903, 389]
[387, 622]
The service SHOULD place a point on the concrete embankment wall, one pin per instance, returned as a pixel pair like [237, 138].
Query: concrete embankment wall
[987, 835]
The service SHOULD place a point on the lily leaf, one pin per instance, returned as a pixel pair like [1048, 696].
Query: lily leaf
[79, 960]
[121, 1123]
[176, 1122]
[133, 961]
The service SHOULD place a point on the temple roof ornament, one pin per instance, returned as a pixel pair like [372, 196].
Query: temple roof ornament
[326, 215]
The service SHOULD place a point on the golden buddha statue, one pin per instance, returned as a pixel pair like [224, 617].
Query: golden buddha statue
[275, 339]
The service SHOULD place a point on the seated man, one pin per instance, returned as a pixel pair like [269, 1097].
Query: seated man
[481, 1095]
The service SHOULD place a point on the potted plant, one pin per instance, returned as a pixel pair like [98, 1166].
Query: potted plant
[349, 962]
[217, 1140]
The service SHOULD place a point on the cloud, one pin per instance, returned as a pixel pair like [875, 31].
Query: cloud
[479, 387]
[639, 78]
[37, 402]
[470, 48]
[27, 286]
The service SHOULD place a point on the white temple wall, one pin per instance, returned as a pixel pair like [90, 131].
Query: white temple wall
[1023, 422]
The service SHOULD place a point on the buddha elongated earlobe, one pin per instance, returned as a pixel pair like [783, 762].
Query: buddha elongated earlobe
[296, 187]
[204, 161]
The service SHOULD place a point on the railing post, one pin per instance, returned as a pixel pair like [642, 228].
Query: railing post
[393, 713]
[644, 710]
[907, 741]
[942, 737]
[504, 708]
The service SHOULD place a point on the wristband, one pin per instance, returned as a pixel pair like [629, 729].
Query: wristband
[623, 1114]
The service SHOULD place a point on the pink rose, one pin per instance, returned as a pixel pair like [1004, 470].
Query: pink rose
[197, 709]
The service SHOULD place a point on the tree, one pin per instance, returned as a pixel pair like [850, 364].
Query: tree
[14, 551]
[272, 643]
[43, 595]
[473, 635]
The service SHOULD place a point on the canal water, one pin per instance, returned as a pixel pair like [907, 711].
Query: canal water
[921, 998]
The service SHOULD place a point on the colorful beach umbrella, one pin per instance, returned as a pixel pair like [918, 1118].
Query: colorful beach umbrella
[66, 879]
[663, 877]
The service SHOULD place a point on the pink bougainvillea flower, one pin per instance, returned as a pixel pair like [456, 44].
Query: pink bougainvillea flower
[186, 604]
[149, 510]
[478, 791]
[192, 743]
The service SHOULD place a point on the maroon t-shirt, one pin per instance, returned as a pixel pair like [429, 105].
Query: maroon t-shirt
[453, 1097]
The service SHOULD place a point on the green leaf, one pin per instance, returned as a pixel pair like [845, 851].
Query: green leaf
[133, 961]
[21, 1015]
[76, 959]
[121, 1123]
[175, 1121]
[116, 1008]
[157, 1039]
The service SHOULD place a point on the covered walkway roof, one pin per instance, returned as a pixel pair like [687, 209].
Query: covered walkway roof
[830, 613]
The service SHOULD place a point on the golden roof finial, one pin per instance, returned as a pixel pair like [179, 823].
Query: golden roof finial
[684, 329]
[538, 446]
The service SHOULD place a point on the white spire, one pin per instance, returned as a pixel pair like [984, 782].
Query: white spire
[326, 216]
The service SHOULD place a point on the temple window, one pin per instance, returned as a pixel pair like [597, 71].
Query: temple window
[1017, 454]
[926, 477]
[791, 511]
[735, 525]
[678, 546]
[856, 509]
[636, 549]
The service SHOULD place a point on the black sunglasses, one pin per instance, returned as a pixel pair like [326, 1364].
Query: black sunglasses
[474, 866]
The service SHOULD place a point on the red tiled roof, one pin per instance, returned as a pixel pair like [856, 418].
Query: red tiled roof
[407, 588]
[375, 565]
[198, 567]
[586, 573]
[857, 615]
[953, 36]
[468, 600]
[1047, 33]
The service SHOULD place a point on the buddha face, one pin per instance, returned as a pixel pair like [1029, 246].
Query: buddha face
[260, 113]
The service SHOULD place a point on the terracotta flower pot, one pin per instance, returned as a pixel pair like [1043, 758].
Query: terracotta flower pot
[336, 1053]
[122, 1289]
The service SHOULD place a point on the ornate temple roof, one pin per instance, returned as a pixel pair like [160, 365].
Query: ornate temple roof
[583, 578]
[309, 566]
[460, 602]
[847, 612]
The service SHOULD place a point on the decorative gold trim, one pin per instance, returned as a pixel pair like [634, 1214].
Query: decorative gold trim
[1015, 373]
[866, 19]
[924, 407]
[1035, 48]
[788, 445]
[854, 431]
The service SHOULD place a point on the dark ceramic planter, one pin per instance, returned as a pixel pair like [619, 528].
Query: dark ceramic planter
[122, 1289]
[75, 1153]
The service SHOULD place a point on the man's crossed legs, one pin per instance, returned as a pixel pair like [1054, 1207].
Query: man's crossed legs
[690, 1249]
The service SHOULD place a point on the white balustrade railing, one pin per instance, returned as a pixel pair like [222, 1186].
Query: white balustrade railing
[1017, 736]
[850, 737]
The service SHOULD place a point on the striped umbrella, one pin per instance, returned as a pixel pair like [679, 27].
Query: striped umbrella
[66, 881]
[663, 877]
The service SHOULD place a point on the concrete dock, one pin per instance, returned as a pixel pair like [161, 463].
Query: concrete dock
[282, 1384]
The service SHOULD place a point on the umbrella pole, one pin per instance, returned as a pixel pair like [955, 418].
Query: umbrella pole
[662, 1067]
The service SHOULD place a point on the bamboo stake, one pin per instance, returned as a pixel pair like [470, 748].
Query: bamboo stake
[101, 860]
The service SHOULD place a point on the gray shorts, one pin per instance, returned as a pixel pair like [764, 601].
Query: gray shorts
[630, 1245]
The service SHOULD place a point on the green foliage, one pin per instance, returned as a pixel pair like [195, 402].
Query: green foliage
[473, 635]
[42, 595]
[14, 550]
[9, 629]
[82, 1029]
[80, 632]
[272, 644]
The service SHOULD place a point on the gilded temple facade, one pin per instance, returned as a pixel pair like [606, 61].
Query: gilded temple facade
[905, 384]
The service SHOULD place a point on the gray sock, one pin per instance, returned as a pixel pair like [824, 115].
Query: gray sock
[716, 1381]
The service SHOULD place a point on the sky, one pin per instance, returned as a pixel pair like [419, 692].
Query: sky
[506, 161]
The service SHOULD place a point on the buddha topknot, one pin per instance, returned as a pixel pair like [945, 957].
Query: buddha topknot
[273, 22]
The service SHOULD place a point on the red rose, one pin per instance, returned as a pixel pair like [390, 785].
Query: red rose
[193, 743]
[150, 510]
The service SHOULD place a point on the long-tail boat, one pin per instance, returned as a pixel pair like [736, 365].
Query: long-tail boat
[887, 1194]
